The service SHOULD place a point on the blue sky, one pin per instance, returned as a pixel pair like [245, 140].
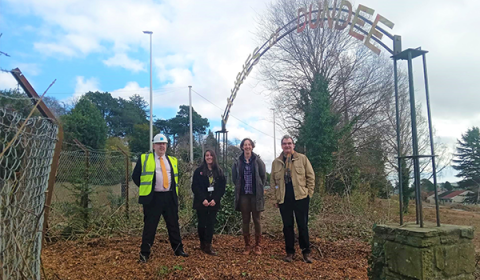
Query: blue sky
[99, 45]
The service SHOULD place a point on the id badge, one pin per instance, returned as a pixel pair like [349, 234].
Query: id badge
[210, 189]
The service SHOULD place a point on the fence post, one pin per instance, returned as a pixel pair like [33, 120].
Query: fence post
[84, 198]
[127, 173]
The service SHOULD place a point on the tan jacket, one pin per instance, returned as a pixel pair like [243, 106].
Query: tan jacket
[303, 177]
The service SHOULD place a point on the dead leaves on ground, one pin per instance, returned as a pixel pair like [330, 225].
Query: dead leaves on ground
[117, 259]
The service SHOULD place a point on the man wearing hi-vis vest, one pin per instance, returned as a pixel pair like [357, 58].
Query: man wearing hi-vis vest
[156, 175]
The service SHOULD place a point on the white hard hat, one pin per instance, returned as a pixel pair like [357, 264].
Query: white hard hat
[160, 138]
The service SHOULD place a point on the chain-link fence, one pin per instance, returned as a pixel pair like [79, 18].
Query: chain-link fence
[105, 175]
[90, 186]
[24, 172]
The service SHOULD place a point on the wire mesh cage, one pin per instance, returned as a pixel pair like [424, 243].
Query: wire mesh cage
[24, 171]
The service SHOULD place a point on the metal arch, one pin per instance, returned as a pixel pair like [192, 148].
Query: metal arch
[253, 58]
[397, 54]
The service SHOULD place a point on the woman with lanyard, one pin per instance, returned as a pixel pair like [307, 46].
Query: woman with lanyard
[208, 187]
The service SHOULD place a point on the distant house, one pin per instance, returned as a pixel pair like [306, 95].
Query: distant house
[431, 196]
[453, 196]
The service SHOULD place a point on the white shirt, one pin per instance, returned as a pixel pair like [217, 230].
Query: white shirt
[159, 175]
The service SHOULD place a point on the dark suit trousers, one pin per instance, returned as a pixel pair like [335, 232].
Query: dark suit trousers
[162, 204]
[206, 224]
[299, 208]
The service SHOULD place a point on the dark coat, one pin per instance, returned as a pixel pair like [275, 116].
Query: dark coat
[260, 179]
[137, 171]
[200, 185]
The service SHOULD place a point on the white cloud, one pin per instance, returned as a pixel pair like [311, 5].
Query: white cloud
[85, 85]
[122, 60]
[7, 81]
[130, 89]
[205, 43]
[54, 49]
[29, 69]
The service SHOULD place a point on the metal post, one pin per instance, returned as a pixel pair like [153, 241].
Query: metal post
[151, 98]
[416, 166]
[191, 124]
[224, 150]
[84, 194]
[127, 175]
[399, 147]
[397, 48]
[274, 137]
[432, 147]
[217, 144]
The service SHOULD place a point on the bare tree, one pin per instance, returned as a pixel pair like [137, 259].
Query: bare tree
[358, 79]
[360, 84]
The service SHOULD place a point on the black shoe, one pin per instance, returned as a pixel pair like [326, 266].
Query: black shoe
[306, 258]
[209, 250]
[143, 258]
[289, 258]
[180, 252]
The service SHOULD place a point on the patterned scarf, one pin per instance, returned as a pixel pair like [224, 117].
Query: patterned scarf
[288, 168]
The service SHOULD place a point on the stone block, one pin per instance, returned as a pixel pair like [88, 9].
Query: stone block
[454, 260]
[417, 241]
[409, 261]
[450, 239]
[467, 233]
[409, 252]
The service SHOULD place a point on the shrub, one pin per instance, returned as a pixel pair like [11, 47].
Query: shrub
[229, 221]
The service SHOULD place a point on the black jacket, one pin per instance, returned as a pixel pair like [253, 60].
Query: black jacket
[200, 185]
[137, 171]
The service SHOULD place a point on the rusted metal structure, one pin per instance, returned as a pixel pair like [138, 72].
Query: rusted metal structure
[30, 91]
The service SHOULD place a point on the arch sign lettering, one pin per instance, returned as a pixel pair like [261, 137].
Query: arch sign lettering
[320, 15]
[342, 17]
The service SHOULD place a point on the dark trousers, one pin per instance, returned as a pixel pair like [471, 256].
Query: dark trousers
[206, 224]
[248, 205]
[161, 204]
[300, 209]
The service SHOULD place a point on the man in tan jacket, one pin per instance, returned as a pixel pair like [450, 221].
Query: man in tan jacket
[293, 182]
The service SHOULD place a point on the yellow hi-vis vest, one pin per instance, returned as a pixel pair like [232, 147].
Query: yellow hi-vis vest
[148, 170]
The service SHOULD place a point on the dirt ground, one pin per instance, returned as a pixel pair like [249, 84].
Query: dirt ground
[117, 259]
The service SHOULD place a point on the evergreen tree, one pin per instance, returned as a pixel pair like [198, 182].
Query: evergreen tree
[210, 141]
[120, 114]
[448, 186]
[85, 123]
[178, 128]
[426, 185]
[138, 140]
[317, 133]
[468, 155]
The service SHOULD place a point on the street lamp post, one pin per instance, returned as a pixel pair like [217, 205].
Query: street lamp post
[191, 124]
[274, 137]
[151, 98]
